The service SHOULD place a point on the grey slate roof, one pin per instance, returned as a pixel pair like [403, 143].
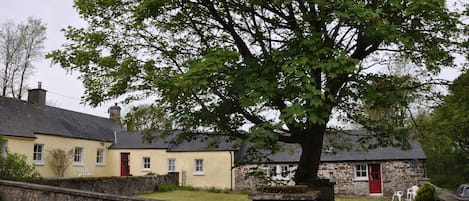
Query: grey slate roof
[293, 152]
[19, 118]
[133, 140]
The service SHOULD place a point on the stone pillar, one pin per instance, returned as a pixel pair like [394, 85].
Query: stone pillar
[325, 188]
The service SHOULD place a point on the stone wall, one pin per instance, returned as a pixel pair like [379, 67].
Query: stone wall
[400, 175]
[251, 177]
[396, 175]
[115, 185]
[19, 191]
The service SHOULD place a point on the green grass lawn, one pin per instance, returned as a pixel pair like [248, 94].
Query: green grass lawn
[184, 195]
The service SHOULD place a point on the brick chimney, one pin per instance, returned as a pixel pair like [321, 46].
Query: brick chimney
[114, 112]
[37, 96]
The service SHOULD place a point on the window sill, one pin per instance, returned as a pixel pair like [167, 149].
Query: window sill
[79, 164]
[146, 170]
[38, 163]
[100, 164]
[199, 174]
[360, 179]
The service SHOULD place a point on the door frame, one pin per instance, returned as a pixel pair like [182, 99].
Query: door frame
[380, 178]
[123, 171]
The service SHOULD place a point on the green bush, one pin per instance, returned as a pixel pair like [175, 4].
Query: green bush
[165, 187]
[447, 181]
[15, 167]
[426, 193]
[214, 190]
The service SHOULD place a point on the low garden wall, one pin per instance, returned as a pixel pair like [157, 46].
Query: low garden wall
[115, 185]
[20, 191]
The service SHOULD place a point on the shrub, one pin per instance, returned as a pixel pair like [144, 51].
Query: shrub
[15, 167]
[426, 193]
[60, 160]
[214, 190]
[165, 187]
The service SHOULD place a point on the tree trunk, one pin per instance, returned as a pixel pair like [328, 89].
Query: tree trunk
[311, 145]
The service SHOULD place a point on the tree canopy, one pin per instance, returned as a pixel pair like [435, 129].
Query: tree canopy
[445, 138]
[264, 71]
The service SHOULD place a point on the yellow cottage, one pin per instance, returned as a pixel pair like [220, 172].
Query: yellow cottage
[101, 147]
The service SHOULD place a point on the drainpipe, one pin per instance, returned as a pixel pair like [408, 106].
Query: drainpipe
[231, 170]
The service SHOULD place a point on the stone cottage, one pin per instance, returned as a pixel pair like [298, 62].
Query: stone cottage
[378, 171]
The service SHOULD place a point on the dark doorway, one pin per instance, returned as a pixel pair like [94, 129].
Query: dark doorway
[125, 167]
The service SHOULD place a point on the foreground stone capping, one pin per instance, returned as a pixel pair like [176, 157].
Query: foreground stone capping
[290, 193]
[12, 191]
[128, 186]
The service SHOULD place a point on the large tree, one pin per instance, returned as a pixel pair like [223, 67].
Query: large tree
[263, 71]
[20, 45]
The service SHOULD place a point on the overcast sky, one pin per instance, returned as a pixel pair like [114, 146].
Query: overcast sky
[64, 89]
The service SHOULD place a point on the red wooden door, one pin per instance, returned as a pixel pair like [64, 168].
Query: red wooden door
[374, 178]
[125, 168]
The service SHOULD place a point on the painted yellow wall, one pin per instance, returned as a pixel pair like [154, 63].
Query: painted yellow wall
[217, 166]
[90, 148]
[19, 145]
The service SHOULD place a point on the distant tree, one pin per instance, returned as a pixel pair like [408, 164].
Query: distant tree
[445, 138]
[20, 45]
[263, 71]
[60, 160]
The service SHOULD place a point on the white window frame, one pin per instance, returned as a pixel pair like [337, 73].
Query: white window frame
[198, 166]
[279, 170]
[171, 165]
[146, 163]
[38, 154]
[4, 148]
[284, 170]
[100, 156]
[358, 172]
[78, 156]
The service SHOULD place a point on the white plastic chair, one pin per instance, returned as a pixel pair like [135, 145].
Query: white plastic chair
[411, 193]
[397, 194]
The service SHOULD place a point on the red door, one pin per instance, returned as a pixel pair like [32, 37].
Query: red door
[125, 168]
[374, 178]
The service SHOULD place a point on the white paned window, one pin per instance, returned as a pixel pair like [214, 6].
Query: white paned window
[100, 157]
[280, 171]
[171, 165]
[361, 172]
[78, 156]
[38, 154]
[199, 167]
[146, 163]
[284, 171]
[3, 148]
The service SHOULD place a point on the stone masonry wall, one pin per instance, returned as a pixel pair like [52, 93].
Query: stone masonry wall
[251, 177]
[115, 185]
[19, 191]
[400, 175]
[395, 175]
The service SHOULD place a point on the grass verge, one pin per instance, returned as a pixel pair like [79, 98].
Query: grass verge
[184, 195]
